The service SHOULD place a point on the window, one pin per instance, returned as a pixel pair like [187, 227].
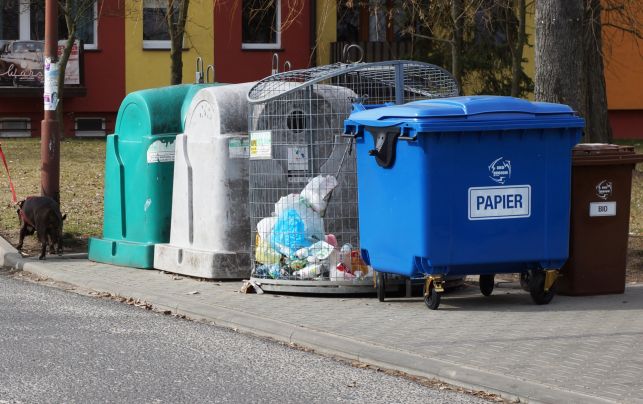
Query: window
[15, 127]
[260, 21]
[156, 34]
[9, 17]
[90, 127]
[86, 25]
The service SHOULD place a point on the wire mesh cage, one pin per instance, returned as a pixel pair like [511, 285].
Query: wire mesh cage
[303, 173]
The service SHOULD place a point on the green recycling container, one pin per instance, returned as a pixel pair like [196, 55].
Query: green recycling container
[139, 171]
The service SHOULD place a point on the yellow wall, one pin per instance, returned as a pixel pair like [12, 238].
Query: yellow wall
[151, 68]
[326, 29]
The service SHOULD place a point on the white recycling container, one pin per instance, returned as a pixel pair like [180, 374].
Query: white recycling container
[210, 226]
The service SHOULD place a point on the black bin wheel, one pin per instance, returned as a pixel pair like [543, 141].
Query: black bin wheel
[537, 288]
[432, 299]
[381, 286]
[486, 284]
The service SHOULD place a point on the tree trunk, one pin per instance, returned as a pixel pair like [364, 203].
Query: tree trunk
[62, 63]
[517, 51]
[62, 66]
[177, 32]
[559, 53]
[457, 16]
[597, 127]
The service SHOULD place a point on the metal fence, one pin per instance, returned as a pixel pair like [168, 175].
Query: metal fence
[303, 177]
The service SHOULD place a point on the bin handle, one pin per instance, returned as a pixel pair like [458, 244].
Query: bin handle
[207, 74]
[352, 131]
[275, 63]
[385, 142]
[199, 71]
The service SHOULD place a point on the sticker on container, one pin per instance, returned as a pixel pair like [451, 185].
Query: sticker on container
[261, 145]
[604, 189]
[160, 152]
[508, 202]
[500, 170]
[298, 158]
[239, 148]
[597, 209]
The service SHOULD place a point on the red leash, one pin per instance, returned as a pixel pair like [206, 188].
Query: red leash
[13, 191]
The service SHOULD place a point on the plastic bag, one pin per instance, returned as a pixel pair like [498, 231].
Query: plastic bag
[289, 233]
[296, 226]
[318, 190]
[264, 253]
[264, 228]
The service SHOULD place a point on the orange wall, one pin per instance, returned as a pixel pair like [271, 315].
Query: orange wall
[623, 70]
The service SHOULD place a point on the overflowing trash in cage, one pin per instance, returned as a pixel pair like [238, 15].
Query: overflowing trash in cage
[303, 172]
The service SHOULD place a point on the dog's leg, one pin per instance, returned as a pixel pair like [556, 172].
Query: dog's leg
[42, 237]
[51, 239]
[43, 251]
[60, 244]
[23, 234]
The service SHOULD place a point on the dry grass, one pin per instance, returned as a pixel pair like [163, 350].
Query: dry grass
[81, 187]
[635, 252]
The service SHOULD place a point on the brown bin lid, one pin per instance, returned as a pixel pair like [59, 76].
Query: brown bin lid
[604, 154]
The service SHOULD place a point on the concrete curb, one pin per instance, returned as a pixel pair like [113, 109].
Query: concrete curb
[319, 340]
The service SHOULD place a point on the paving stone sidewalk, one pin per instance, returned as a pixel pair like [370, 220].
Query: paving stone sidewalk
[577, 349]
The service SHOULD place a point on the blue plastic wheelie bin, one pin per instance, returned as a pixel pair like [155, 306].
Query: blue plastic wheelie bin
[474, 185]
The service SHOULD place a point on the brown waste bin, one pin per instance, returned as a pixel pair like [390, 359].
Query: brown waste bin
[600, 219]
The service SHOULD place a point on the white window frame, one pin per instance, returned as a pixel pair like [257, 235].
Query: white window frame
[266, 46]
[156, 44]
[15, 132]
[89, 133]
[94, 45]
[25, 24]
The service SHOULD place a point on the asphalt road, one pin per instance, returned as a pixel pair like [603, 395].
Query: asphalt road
[58, 346]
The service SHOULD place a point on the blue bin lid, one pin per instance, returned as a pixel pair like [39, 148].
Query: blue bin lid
[483, 112]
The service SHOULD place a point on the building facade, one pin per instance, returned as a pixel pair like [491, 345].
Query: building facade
[89, 106]
[248, 33]
[126, 48]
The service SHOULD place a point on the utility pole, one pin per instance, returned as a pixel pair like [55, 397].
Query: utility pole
[49, 135]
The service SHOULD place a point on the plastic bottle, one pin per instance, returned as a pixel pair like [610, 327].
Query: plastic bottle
[345, 257]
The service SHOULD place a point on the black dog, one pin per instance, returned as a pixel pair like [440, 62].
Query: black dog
[41, 214]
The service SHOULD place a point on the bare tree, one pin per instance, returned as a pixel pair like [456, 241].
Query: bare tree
[73, 12]
[518, 46]
[597, 128]
[457, 19]
[569, 55]
[560, 53]
[176, 17]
